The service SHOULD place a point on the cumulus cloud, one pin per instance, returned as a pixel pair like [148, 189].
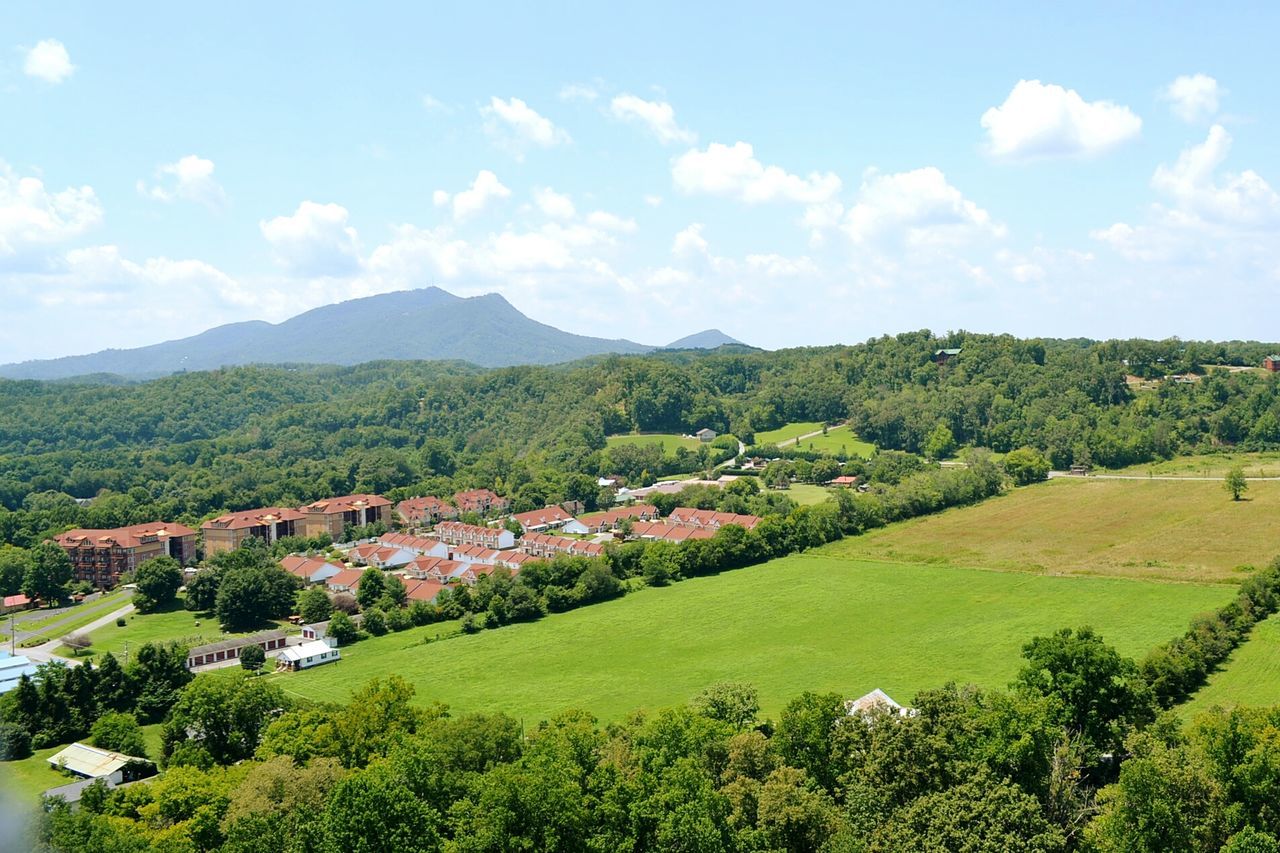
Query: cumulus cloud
[578, 92]
[485, 188]
[1193, 97]
[690, 241]
[31, 215]
[314, 241]
[516, 125]
[1041, 120]
[918, 208]
[1245, 198]
[733, 171]
[554, 204]
[188, 179]
[432, 104]
[607, 221]
[658, 116]
[49, 61]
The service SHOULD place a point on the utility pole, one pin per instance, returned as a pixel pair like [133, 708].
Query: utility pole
[13, 636]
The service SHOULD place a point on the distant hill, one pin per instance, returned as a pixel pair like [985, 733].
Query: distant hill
[425, 324]
[710, 339]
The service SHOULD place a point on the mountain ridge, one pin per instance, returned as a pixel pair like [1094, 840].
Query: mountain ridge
[423, 324]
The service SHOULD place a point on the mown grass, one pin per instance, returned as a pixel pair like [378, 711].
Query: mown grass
[1262, 464]
[806, 494]
[789, 433]
[1156, 529]
[1251, 675]
[668, 441]
[25, 780]
[839, 440]
[173, 623]
[805, 622]
[79, 616]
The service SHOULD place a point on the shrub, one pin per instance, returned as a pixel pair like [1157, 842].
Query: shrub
[252, 658]
[15, 742]
[375, 622]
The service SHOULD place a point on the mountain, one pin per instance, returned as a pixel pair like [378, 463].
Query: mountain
[425, 324]
[710, 339]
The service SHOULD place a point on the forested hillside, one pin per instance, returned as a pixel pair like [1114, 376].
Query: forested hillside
[189, 445]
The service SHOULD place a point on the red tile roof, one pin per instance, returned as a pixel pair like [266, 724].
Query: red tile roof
[349, 578]
[552, 516]
[252, 518]
[426, 590]
[18, 600]
[346, 503]
[414, 509]
[122, 537]
[560, 544]
[305, 567]
[418, 544]
[710, 518]
[670, 532]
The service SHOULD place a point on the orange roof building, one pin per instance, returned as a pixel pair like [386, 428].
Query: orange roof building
[102, 556]
[332, 516]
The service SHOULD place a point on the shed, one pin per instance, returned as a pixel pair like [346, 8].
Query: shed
[230, 649]
[307, 655]
[90, 762]
[705, 435]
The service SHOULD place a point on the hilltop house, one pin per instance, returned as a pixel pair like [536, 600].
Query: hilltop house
[102, 556]
[705, 435]
[942, 356]
[877, 701]
[1272, 363]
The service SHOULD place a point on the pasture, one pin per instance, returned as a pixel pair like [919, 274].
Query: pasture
[805, 622]
[666, 440]
[25, 780]
[1262, 464]
[789, 433]
[1150, 529]
[839, 440]
[1251, 676]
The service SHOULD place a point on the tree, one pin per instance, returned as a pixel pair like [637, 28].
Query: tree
[119, 732]
[375, 622]
[224, 716]
[314, 605]
[202, 590]
[1235, 483]
[15, 742]
[372, 586]
[158, 672]
[13, 569]
[48, 572]
[251, 595]
[342, 629]
[157, 580]
[729, 702]
[77, 642]
[252, 658]
[1026, 465]
[369, 812]
[941, 443]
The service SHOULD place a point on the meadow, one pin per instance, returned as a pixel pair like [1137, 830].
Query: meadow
[1260, 464]
[1150, 529]
[839, 440]
[815, 621]
[789, 433]
[173, 623]
[668, 441]
[1251, 675]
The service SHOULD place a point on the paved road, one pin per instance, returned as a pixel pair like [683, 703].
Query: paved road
[44, 651]
[53, 629]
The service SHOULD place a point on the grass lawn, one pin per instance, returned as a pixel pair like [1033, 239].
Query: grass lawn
[806, 494]
[803, 622]
[1157, 529]
[1251, 675]
[78, 616]
[1265, 464]
[789, 433]
[839, 439]
[668, 441]
[174, 624]
[27, 779]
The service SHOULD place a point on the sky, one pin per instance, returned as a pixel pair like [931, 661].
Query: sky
[792, 174]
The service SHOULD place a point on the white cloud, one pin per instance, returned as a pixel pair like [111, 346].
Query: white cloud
[554, 204]
[190, 179]
[49, 61]
[1041, 120]
[780, 266]
[606, 221]
[690, 241]
[733, 171]
[434, 105]
[918, 208]
[653, 200]
[315, 241]
[30, 215]
[658, 116]
[1244, 199]
[578, 92]
[485, 188]
[1193, 97]
[516, 125]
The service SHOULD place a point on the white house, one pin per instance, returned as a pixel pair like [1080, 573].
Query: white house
[307, 655]
[877, 700]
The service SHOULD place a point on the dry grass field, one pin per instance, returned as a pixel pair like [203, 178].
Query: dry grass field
[1148, 529]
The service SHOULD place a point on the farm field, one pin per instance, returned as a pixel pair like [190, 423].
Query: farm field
[1157, 529]
[838, 440]
[805, 622]
[788, 433]
[669, 441]
[1251, 675]
[1264, 464]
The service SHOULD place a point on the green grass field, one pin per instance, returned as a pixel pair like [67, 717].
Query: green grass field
[175, 624]
[1264, 464]
[78, 616]
[668, 441]
[789, 433]
[804, 622]
[839, 439]
[806, 494]
[1160, 530]
[1251, 675]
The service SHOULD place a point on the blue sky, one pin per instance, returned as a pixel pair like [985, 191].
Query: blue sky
[813, 175]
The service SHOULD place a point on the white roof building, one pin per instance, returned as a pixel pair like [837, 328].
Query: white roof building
[307, 655]
[90, 761]
[12, 668]
[877, 700]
